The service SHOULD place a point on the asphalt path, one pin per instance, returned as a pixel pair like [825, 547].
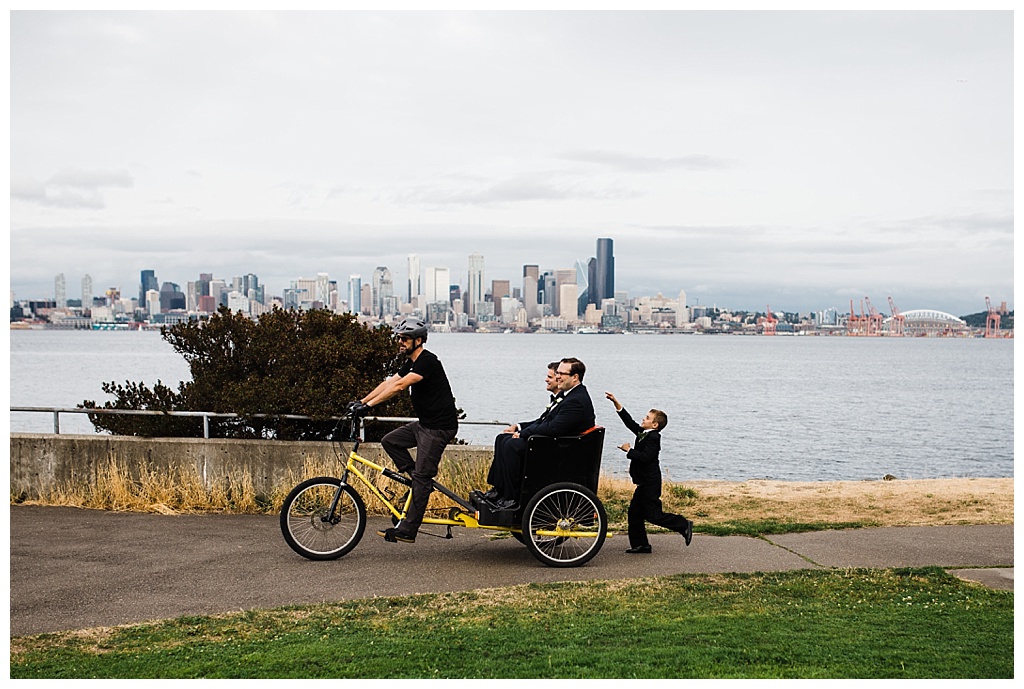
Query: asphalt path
[75, 569]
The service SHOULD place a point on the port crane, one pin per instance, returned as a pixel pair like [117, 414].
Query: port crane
[873, 320]
[856, 324]
[769, 322]
[896, 324]
[992, 320]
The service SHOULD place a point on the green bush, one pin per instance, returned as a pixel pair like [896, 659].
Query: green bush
[286, 362]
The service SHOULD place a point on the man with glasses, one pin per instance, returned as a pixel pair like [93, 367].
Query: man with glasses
[437, 422]
[571, 415]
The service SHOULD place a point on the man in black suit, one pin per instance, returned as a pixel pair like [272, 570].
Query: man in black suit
[571, 413]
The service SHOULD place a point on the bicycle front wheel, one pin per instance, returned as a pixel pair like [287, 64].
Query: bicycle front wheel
[323, 518]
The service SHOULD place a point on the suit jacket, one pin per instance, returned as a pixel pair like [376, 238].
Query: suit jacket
[555, 399]
[573, 415]
[644, 467]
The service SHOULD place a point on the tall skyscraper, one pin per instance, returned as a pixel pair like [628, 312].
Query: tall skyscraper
[415, 287]
[355, 293]
[604, 275]
[87, 292]
[60, 291]
[383, 290]
[147, 282]
[475, 284]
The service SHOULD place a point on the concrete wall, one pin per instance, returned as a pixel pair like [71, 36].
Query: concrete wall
[40, 462]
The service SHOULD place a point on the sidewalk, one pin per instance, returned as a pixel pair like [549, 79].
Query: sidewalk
[72, 569]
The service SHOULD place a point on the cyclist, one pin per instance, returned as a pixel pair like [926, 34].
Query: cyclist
[437, 422]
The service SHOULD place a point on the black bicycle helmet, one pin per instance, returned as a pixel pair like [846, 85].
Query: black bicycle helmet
[411, 327]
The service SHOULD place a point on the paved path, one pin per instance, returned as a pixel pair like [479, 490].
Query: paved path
[72, 568]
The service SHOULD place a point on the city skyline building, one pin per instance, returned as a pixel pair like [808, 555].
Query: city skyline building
[355, 292]
[415, 282]
[603, 284]
[147, 282]
[475, 282]
[87, 291]
[60, 291]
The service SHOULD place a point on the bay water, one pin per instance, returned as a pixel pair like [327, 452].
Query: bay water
[788, 408]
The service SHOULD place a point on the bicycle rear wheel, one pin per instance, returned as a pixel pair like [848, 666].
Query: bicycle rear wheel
[564, 525]
[322, 518]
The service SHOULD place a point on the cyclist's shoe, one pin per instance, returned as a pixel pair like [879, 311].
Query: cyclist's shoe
[396, 536]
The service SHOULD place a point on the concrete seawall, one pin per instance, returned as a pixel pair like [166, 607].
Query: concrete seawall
[40, 462]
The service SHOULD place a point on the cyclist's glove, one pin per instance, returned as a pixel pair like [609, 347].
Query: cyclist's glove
[360, 409]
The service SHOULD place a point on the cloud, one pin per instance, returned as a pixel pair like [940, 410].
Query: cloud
[626, 162]
[70, 188]
[527, 187]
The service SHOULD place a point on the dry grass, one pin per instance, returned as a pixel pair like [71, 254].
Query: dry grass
[931, 502]
[881, 503]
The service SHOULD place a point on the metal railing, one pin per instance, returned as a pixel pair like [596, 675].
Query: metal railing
[207, 415]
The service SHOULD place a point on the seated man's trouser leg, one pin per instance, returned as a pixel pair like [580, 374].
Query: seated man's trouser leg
[508, 466]
[494, 473]
[429, 444]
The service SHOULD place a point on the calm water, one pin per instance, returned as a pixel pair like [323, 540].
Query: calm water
[739, 407]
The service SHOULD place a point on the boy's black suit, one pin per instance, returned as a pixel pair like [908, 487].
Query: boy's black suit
[645, 470]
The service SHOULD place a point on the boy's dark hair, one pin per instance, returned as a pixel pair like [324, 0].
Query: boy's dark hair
[660, 417]
[553, 366]
[576, 367]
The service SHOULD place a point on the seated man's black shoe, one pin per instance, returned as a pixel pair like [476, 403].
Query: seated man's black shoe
[502, 504]
[687, 531]
[639, 549]
[396, 536]
[492, 494]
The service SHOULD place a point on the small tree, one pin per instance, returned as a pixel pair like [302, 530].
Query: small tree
[309, 363]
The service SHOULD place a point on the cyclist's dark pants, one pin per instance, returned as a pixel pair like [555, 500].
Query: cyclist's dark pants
[429, 444]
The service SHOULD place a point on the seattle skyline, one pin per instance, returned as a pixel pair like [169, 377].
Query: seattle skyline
[798, 159]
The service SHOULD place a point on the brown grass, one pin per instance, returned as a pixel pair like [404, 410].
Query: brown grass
[879, 503]
[931, 502]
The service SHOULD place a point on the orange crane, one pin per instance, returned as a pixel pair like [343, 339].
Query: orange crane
[897, 322]
[992, 320]
[874, 320]
[769, 322]
[854, 325]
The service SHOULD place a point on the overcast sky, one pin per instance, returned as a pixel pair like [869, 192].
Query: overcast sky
[792, 159]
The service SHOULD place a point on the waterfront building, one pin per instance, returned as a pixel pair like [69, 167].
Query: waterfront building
[475, 282]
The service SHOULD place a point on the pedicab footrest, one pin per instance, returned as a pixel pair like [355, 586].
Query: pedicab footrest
[488, 516]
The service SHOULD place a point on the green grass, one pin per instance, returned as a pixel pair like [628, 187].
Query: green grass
[908, 623]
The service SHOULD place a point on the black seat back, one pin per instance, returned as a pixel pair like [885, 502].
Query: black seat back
[575, 458]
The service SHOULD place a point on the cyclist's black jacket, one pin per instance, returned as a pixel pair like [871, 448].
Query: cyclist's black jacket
[432, 397]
